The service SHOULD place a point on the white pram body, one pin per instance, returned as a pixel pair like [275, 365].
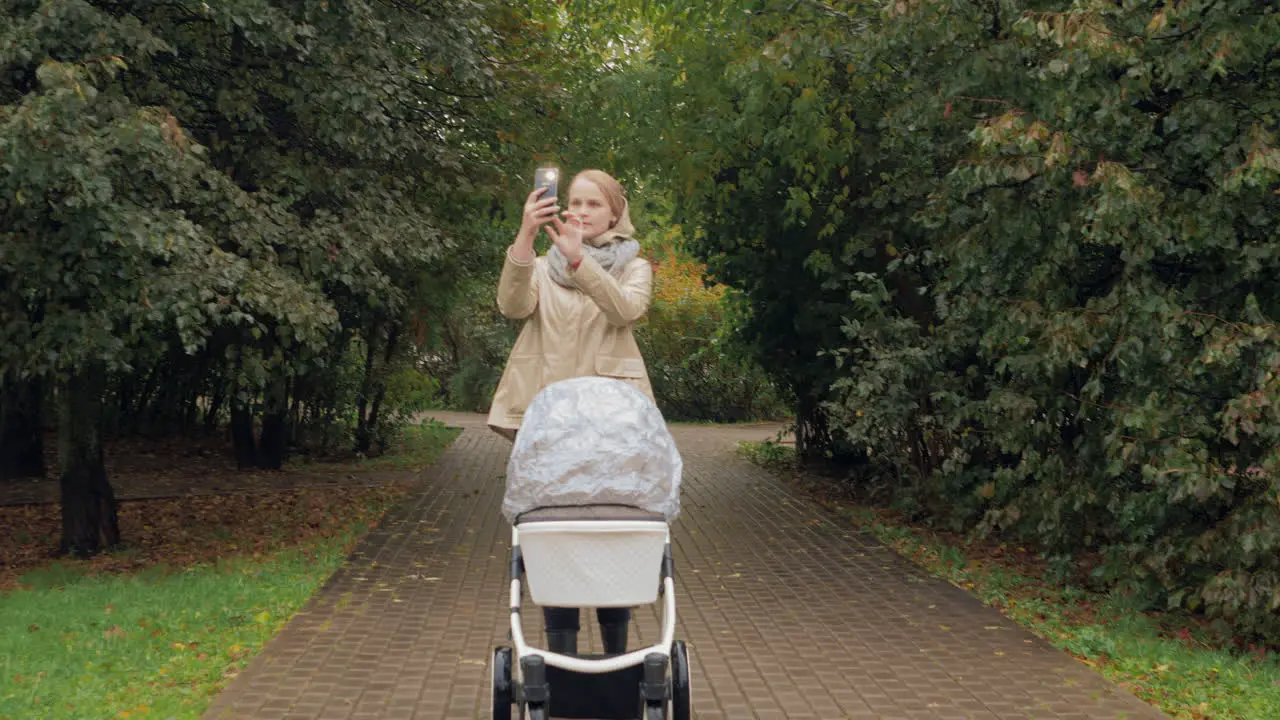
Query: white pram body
[592, 485]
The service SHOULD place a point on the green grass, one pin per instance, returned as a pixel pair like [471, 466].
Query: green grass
[160, 642]
[153, 644]
[417, 447]
[1175, 670]
[770, 455]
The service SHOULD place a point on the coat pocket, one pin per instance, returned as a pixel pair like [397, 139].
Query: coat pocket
[629, 368]
[523, 381]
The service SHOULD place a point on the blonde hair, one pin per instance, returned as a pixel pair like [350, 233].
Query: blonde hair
[612, 189]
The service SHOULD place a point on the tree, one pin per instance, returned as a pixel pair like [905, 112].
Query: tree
[1020, 255]
[98, 232]
[203, 205]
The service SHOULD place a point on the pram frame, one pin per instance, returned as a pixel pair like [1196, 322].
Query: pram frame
[641, 675]
[591, 667]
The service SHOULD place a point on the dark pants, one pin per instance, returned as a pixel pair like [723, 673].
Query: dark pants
[568, 618]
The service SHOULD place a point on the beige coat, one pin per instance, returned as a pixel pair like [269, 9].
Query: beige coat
[568, 332]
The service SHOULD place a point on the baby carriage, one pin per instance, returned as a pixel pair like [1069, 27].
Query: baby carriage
[592, 483]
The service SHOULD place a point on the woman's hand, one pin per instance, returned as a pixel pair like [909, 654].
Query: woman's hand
[567, 236]
[537, 212]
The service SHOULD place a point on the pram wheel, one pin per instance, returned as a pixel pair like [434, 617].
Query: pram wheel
[681, 694]
[501, 682]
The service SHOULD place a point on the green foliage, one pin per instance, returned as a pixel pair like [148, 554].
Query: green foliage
[688, 345]
[1115, 323]
[336, 388]
[465, 340]
[585, 55]
[1019, 257]
[215, 202]
[769, 454]
[416, 444]
[410, 392]
[472, 386]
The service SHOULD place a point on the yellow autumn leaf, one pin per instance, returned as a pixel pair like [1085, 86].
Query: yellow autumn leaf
[1158, 22]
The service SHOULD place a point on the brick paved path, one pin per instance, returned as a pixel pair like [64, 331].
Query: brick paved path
[787, 614]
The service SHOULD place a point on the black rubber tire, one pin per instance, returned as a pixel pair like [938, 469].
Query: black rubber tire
[681, 692]
[501, 684]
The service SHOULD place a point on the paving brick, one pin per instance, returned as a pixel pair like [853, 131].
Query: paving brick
[787, 612]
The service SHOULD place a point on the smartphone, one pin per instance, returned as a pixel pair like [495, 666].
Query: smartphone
[546, 177]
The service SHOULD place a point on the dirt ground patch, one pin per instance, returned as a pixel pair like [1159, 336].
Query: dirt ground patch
[174, 533]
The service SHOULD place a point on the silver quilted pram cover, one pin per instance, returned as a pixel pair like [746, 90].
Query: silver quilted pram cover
[593, 441]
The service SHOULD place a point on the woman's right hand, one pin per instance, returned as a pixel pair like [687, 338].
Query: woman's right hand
[537, 212]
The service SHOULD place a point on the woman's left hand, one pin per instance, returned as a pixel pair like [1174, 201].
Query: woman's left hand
[567, 236]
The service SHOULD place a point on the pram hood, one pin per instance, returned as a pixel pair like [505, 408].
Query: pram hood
[593, 441]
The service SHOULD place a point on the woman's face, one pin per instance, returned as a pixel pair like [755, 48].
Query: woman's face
[588, 205]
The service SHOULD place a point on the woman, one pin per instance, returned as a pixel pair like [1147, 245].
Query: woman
[579, 303]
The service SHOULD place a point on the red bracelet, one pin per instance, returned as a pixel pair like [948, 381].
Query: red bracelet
[577, 262]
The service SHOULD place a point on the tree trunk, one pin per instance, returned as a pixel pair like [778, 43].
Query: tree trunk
[379, 389]
[126, 389]
[211, 412]
[140, 404]
[811, 427]
[90, 523]
[292, 414]
[21, 430]
[364, 433]
[164, 409]
[242, 432]
[190, 411]
[273, 443]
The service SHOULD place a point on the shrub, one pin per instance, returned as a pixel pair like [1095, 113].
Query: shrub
[697, 371]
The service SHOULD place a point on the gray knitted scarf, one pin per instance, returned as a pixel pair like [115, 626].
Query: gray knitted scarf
[613, 257]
